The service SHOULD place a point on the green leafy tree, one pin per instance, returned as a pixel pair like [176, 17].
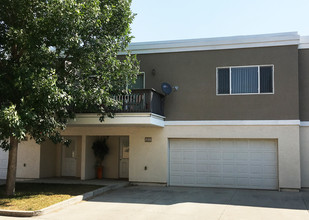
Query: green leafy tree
[57, 58]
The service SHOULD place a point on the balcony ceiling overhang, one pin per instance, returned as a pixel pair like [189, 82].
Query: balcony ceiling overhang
[120, 119]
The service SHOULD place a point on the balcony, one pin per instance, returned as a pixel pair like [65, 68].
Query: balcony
[143, 107]
[142, 100]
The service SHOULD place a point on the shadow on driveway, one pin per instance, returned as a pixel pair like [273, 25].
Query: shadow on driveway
[237, 197]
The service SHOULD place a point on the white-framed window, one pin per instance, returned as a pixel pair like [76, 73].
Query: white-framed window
[235, 80]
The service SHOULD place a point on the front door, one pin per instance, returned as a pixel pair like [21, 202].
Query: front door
[124, 157]
[69, 159]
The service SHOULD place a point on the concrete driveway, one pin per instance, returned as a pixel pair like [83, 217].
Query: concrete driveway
[148, 202]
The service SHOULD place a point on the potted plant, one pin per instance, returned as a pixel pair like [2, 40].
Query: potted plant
[100, 149]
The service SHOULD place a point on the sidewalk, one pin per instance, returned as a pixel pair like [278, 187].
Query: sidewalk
[68, 180]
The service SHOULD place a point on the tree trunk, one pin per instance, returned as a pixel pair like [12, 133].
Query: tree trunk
[12, 165]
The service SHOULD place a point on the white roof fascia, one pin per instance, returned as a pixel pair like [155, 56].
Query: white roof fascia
[264, 40]
[304, 42]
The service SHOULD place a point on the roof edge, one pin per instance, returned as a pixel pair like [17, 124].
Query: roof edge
[304, 42]
[220, 43]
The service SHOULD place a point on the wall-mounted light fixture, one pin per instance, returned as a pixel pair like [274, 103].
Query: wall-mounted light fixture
[175, 88]
[153, 72]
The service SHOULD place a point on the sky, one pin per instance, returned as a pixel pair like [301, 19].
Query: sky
[158, 20]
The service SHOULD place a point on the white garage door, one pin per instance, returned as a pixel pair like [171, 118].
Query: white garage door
[223, 163]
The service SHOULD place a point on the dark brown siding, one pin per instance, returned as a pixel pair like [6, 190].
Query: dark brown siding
[304, 84]
[195, 74]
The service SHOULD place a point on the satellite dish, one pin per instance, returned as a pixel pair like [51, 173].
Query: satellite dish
[166, 88]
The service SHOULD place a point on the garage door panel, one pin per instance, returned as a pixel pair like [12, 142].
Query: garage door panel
[175, 155]
[241, 169]
[270, 170]
[188, 155]
[175, 180]
[228, 169]
[224, 163]
[201, 155]
[188, 167]
[256, 169]
[202, 180]
[214, 155]
[189, 180]
[202, 168]
[269, 182]
[215, 168]
[227, 181]
[176, 168]
[269, 157]
[243, 182]
[228, 156]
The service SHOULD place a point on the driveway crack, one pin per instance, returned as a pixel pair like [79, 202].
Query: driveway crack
[305, 202]
[229, 203]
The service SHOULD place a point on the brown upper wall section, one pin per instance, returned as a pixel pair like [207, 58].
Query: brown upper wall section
[195, 74]
[304, 84]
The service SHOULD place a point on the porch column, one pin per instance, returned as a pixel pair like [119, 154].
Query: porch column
[83, 158]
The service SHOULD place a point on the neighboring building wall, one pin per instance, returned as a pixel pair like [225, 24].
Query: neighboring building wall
[195, 74]
[304, 155]
[3, 163]
[154, 154]
[28, 160]
[304, 114]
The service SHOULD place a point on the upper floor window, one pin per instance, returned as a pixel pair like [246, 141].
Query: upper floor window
[245, 80]
[139, 83]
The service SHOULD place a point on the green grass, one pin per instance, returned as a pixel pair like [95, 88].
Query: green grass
[35, 196]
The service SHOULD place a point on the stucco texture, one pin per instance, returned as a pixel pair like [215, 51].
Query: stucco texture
[195, 75]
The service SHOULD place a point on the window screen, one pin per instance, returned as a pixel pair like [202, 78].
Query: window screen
[266, 79]
[224, 81]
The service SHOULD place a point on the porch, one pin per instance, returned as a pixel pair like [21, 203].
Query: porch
[77, 161]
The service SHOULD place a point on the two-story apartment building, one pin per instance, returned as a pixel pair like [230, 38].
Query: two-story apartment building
[237, 117]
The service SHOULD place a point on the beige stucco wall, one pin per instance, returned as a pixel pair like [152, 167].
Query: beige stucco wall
[195, 74]
[78, 156]
[48, 159]
[304, 156]
[111, 160]
[90, 159]
[154, 154]
[28, 155]
[51, 158]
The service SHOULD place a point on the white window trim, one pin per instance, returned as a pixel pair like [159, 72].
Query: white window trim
[230, 72]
